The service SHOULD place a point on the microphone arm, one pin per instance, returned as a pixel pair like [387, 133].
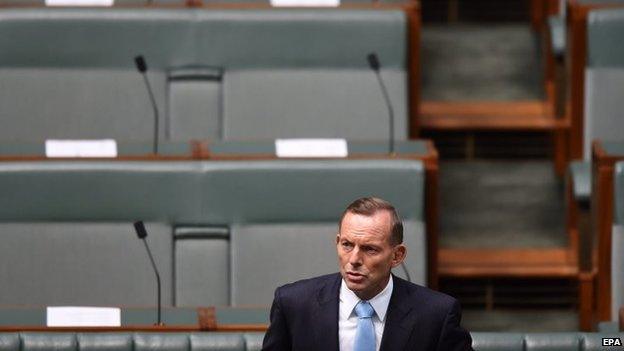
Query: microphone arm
[373, 62]
[142, 68]
[139, 227]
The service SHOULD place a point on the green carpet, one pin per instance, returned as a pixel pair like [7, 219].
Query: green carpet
[469, 62]
[501, 204]
[524, 321]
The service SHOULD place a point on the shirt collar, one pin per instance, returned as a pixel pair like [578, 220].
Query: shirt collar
[380, 302]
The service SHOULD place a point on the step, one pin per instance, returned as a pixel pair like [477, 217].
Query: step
[489, 115]
[481, 263]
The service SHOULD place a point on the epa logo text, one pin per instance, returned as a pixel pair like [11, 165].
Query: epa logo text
[611, 342]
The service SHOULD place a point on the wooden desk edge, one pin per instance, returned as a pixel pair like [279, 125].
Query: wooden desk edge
[602, 218]
[127, 328]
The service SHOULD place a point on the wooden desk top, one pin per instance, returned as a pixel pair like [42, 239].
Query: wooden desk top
[222, 150]
[175, 319]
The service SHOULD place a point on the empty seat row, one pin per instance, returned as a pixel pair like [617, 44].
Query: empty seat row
[603, 77]
[253, 341]
[216, 73]
[222, 232]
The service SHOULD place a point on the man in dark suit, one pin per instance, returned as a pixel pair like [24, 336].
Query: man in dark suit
[365, 307]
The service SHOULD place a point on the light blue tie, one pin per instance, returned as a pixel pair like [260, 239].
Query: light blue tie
[365, 333]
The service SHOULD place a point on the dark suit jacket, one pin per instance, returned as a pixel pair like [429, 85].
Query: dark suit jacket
[304, 316]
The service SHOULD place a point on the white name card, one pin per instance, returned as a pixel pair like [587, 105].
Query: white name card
[311, 148]
[305, 3]
[79, 2]
[70, 316]
[81, 148]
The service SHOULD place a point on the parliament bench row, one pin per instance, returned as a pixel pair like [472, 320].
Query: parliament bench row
[190, 3]
[216, 72]
[594, 64]
[222, 232]
[584, 69]
[595, 214]
[596, 73]
[253, 341]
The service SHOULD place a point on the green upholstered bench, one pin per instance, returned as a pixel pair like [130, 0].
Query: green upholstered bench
[253, 341]
[617, 243]
[604, 72]
[542, 341]
[217, 73]
[557, 35]
[223, 232]
[580, 175]
[557, 24]
[122, 341]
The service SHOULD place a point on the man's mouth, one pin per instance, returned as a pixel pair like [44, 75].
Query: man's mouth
[355, 276]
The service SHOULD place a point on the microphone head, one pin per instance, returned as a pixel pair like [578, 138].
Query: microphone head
[373, 61]
[139, 228]
[139, 61]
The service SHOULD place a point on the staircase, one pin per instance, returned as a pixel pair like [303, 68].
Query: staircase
[502, 216]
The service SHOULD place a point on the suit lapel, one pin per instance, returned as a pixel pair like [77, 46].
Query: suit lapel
[399, 322]
[325, 316]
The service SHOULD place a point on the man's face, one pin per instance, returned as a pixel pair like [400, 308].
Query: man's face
[365, 253]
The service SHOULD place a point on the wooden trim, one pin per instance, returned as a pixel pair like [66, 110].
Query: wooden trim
[432, 208]
[493, 123]
[128, 328]
[138, 328]
[207, 318]
[413, 62]
[572, 227]
[560, 150]
[586, 299]
[621, 319]
[194, 3]
[490, 115]
[530, 108]
[601, 223]
[536, 9]
[494, 262]
[576, 59]
[242, 327]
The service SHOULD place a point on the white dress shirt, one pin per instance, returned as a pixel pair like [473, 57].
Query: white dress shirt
[347, 320]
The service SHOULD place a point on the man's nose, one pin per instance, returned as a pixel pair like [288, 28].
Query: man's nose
[356, 257]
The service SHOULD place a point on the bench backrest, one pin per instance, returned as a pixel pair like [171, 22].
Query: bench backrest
[223, 232]
[604, 77]
[617, 242]
[216, 74]
[482, 341]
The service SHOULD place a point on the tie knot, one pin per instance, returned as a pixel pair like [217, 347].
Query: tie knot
[364, 309]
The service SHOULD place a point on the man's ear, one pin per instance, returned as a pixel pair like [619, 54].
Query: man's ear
[337, 238]
[398, 255]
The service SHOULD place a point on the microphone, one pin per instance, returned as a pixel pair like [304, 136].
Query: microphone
[139, 228]
[141, 66]
[373, 62]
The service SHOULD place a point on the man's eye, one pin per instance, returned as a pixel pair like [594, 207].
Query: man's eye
[345, 244]
[371, 250]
